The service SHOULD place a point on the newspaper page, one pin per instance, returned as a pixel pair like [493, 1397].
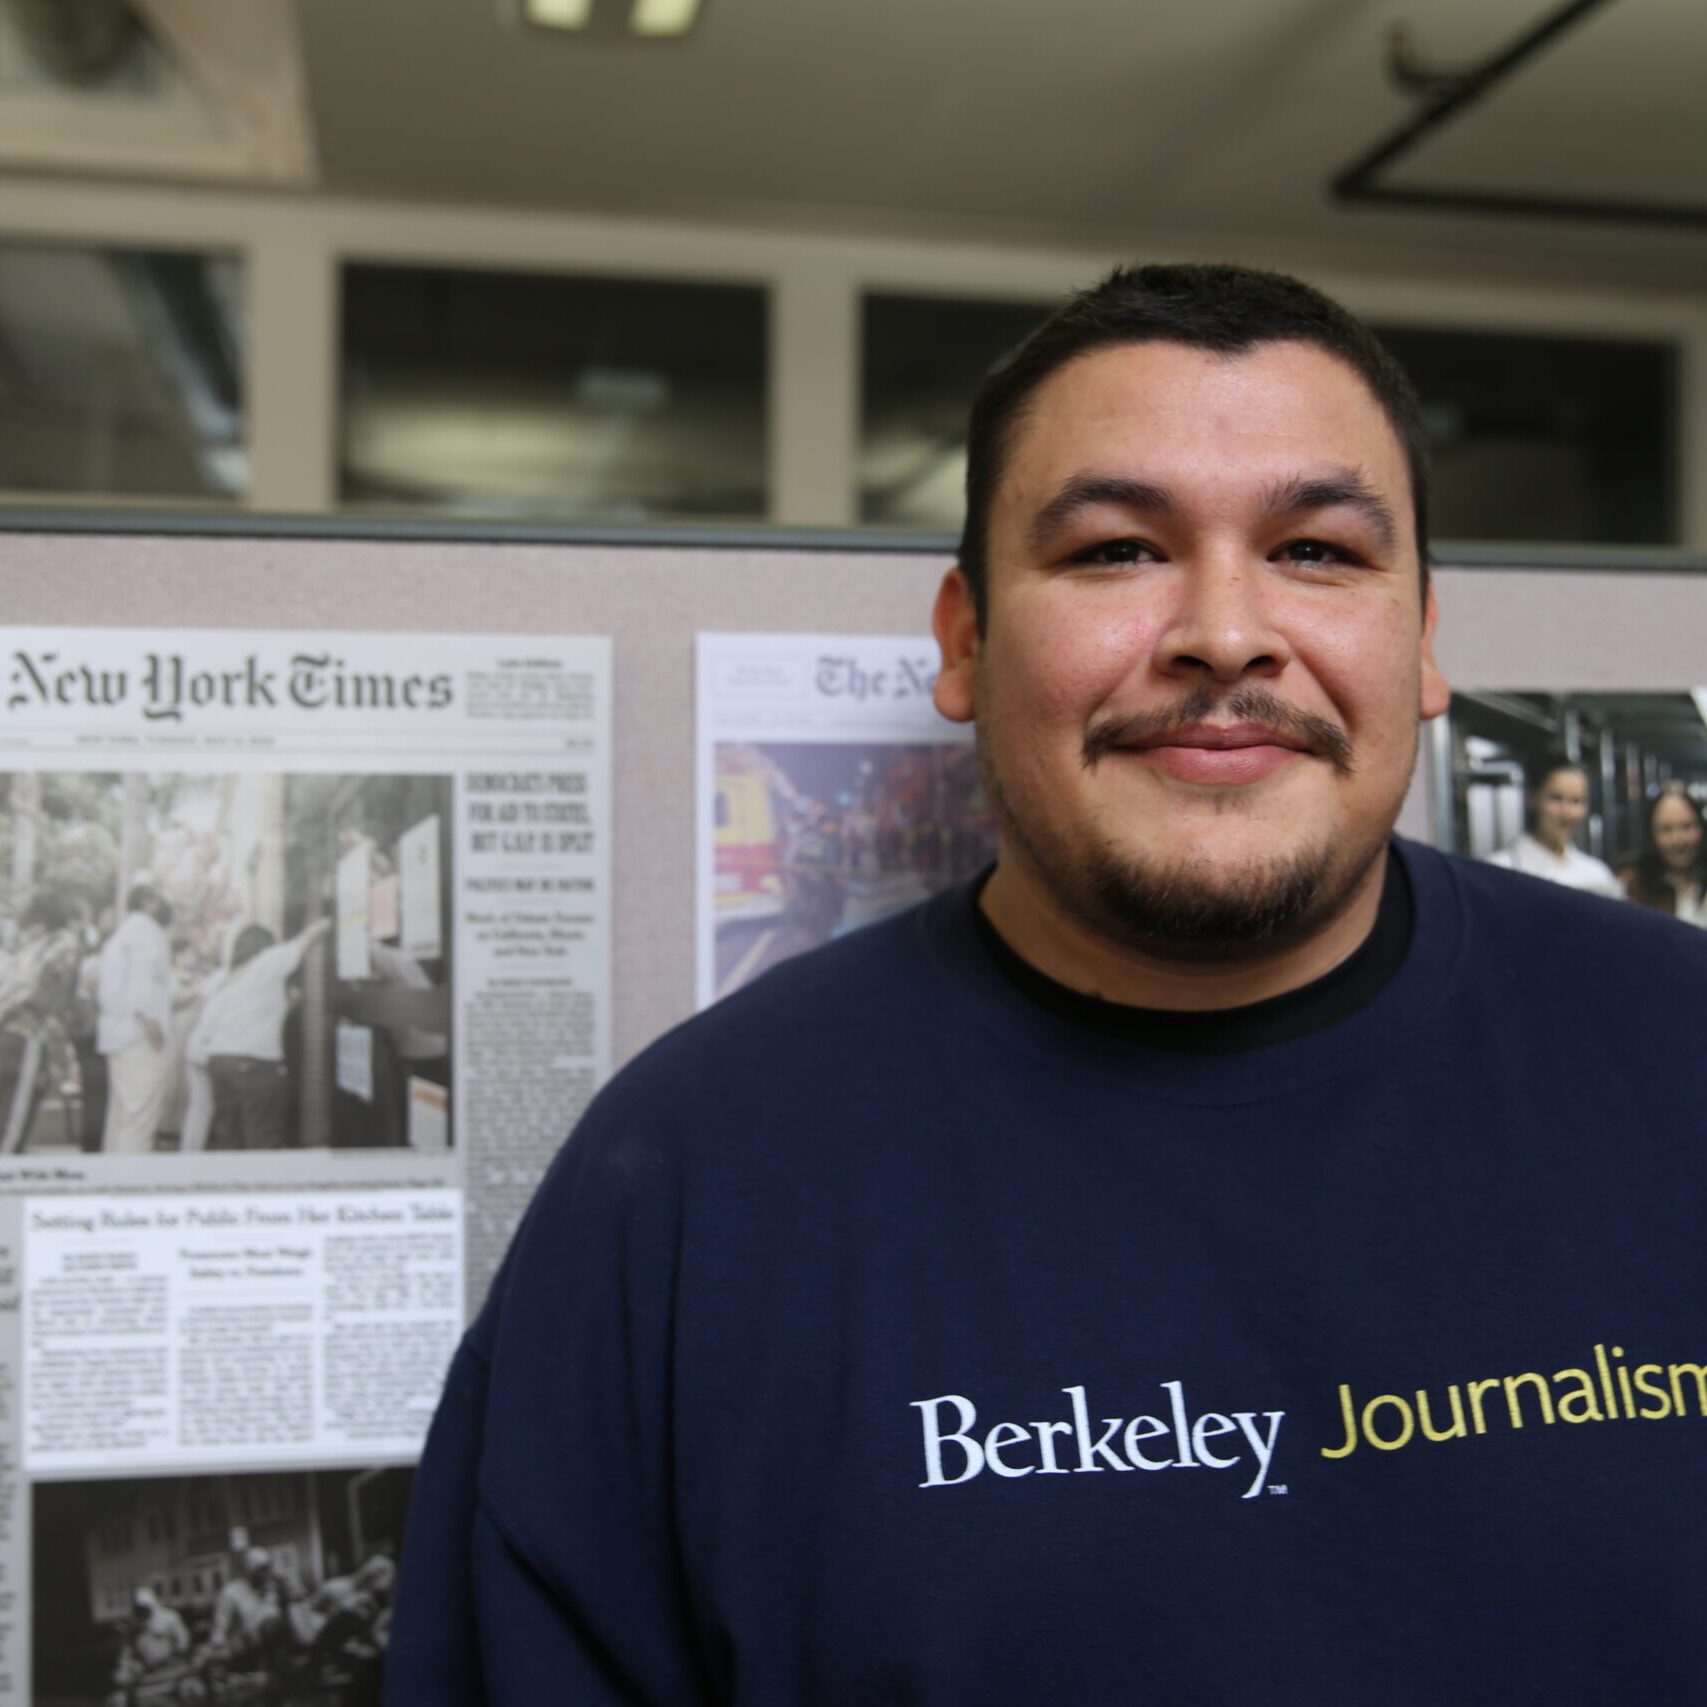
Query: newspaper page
[831, 794]
[304, 975]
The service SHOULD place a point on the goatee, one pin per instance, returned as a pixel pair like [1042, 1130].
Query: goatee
[1191, 909]
[1192, 912]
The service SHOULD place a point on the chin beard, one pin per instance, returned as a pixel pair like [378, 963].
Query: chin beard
[1189, 911]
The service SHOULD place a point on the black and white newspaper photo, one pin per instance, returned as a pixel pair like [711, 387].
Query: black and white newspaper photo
[282, 1022]
[1602, 791]
[831, 794]
[241, 1587]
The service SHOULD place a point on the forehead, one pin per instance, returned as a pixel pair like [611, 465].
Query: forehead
[1190, 416]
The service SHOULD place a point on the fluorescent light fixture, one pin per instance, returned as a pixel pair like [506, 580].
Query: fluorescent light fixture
[558, 14]
[663, 17]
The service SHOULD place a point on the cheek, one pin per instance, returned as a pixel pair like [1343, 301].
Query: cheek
[1060, 667]
[1371, 670]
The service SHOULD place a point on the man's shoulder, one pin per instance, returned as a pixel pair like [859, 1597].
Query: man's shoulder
[138, 931]
[730, 1108]
[1526, 900]
[758, 1068]
[279, 957]
[1551, 931]
[824, 1001]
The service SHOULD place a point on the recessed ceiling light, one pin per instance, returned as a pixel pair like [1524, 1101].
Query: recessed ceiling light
[663, 17]
[558, 14]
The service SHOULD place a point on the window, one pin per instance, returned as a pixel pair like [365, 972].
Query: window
[1550, 439]
[204, 1517]
[542, 394]
[120, 373]
[114, 1536]
[923, 357]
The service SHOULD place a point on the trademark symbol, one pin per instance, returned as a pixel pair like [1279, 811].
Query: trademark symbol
[1278, 1488]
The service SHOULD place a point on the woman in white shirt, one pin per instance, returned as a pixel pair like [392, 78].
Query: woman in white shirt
[1670, 873]
[1558, 804]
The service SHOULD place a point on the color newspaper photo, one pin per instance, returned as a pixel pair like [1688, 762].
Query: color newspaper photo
[235, 1589]
[1602, 791]
[223, 961]
[813, 840]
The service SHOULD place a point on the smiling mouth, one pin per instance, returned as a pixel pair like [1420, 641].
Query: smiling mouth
[1263, 734]
[1216, 738]
[1240, 754]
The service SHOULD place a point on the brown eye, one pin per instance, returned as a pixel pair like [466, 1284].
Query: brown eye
[1115, 551]
[1315, 551]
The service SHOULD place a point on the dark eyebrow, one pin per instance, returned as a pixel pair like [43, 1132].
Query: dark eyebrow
[1084, 491]
[1342, 487]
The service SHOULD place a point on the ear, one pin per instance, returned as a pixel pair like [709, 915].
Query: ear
[1436, 691]
[954, 621]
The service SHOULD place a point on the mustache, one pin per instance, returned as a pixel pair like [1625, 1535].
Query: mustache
[1252, 703]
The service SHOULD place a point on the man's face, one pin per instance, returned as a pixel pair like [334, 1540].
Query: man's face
[1206, 648]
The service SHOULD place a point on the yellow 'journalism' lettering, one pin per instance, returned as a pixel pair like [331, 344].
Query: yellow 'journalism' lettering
[1390, 1421]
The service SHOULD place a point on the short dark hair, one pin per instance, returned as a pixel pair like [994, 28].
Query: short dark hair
[143, 898]
[1225, 309]
[47, 908]
[251, 940]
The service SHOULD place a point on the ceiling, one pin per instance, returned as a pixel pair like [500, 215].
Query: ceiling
[1107, 122]
[1118, 124]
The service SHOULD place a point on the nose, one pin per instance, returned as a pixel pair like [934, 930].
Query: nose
[1221, 625]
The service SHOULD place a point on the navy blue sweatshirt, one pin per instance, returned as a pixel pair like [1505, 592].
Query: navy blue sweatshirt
[884, 1337]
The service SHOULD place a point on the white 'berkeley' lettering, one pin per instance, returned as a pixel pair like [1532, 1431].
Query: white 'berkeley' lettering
[954, 1453]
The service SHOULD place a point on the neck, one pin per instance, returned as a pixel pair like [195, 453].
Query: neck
[1066, 949]
[1555, 845]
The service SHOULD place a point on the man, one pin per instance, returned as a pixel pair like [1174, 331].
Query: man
[239, 1037]
[134, 999]
[250, 1632]
[37, 991]
[154, 1640]
[1231, 1257]
[344, 1626]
